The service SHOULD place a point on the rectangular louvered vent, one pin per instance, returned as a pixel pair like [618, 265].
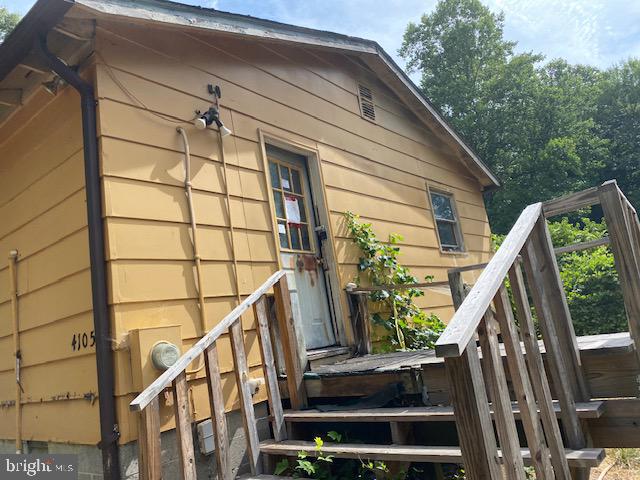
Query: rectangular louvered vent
[366, 103]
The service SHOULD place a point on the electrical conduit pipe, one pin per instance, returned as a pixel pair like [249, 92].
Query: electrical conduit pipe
[13, 263]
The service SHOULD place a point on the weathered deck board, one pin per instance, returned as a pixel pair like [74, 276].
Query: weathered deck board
[608, 344]
[587, 410]
[586, 457]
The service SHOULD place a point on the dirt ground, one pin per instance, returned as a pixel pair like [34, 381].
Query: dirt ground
[626, 465]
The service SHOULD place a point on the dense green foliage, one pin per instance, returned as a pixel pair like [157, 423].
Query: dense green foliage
[590, 278]
[545, 129]
[8, 20]
[407, 326]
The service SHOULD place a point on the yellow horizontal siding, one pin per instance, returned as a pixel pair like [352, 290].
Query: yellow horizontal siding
[64, 421]
[379, 171]
[43, 216]
[140, 280]
[154, 240]
[52, 382]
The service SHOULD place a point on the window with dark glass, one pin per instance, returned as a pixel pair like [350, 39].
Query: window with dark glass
[290, 205]
[447, 224]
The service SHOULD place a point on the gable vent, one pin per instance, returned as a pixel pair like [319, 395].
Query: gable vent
[366, 103]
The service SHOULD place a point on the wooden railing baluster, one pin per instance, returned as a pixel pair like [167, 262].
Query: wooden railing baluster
[218, 416]
[292, 354]
[560, 308]
[624, 244]
[359, 303]
[522, 387]
[538, 374]
[470, 404]
[561, 373]
[270, 372]
[244, 391]
[183, 427]
[501, 400]
[149, 453]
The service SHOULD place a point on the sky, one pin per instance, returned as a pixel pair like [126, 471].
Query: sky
[594, 32]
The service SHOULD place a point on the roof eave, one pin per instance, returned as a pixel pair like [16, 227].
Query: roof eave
[493, 181]
[42, 17]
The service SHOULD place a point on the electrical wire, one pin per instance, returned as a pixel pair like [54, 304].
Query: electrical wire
[194, 238]
[134, 98]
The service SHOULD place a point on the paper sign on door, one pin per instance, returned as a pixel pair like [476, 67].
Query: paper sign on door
[292, 209]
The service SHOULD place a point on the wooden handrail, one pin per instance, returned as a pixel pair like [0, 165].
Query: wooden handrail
[577, 247]
[153, 390]
[571, 203]
[467, 318]
[390, 288]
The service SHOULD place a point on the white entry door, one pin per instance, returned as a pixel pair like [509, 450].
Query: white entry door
[299, 246]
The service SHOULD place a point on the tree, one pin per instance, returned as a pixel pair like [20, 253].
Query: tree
[532, 123]
[618, 119]
[8, 21]
[458, 49]
[590, 279]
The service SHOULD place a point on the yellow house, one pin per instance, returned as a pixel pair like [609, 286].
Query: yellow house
[99, 100]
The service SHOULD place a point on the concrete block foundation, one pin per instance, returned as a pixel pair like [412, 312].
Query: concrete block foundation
[90, 457]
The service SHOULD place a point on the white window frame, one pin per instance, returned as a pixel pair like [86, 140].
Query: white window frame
[457, 230]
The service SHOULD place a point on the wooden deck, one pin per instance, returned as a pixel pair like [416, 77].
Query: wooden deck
[608, 344]
[609, 362]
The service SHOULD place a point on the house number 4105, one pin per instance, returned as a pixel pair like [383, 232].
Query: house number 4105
[83, 340]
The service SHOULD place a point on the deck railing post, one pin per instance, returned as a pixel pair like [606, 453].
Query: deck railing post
[269, 368]
[183, 427]
[623, 232]
[470, 404]
[359, 304]
[149, 455]
[284, 313]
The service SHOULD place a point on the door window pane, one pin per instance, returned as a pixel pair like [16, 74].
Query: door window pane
[282, 234]
[285, 179]
[295, 179]
[303, 212]
[306, 244]
[294, 230]
[275, 177]
[277, 199]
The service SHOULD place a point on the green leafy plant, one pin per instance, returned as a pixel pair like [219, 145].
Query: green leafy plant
[590, 279]
[589, 276]
[407, 326]
[322, 467]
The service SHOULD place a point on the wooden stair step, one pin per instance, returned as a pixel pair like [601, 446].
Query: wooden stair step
[585, 410]
[588, 457]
